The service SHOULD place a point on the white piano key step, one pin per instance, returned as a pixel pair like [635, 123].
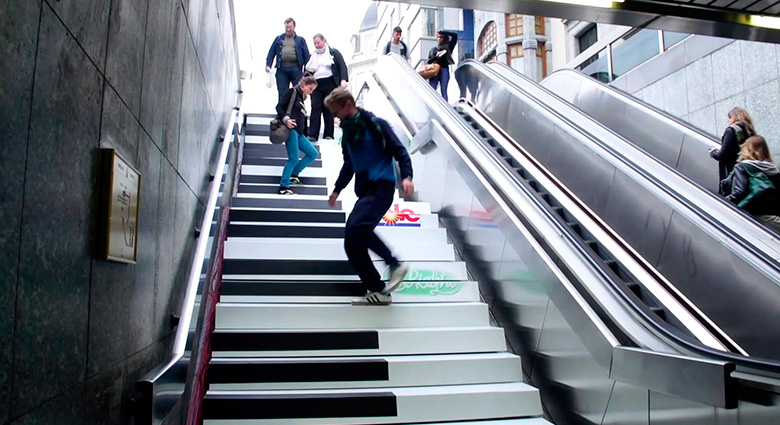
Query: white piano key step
[333, 249]
[325, 316]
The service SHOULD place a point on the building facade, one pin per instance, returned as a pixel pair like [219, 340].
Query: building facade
[520, 41]
[695, 78]
[419, 25]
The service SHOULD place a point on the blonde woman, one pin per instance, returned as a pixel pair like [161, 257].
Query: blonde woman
[755, 162]
[739, 129]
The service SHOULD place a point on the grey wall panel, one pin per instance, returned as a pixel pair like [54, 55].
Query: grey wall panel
[68, 408]
[125, 57]
[141, 327]
[173, 90]
[104, 407]
[156, 62]
[88, 22]
[637, 219]
[52, 307]
[687, 260]
[191, 123]
[192, 8]
[109, 312]
[165, 279]
[119, 129]
[18, 37]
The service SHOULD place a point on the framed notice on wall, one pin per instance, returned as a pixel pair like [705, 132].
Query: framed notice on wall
[120, 194]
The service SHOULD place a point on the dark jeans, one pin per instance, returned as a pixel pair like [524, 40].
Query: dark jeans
[359, 234]
[442, 77]
[285, 76]
[324, 87]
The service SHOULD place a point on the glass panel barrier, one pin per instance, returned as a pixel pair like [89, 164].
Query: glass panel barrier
[633, 50]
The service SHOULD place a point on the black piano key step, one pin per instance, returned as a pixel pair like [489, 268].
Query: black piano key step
[294, 341]
[239, 215]
[300, 190]
[287, 267]
[298, 405]
[279, 162]
[270, 149]
[308, 181]
[263, 231]
[326, 288]
[284, 202]
[226, 371]
[257, 130]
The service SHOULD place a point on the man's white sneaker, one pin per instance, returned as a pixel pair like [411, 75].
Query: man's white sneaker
[373, 298]
[397, 275]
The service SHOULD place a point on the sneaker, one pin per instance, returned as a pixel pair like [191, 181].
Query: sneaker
[295, 181]
[312, 139]
[373, 298]
[397, 275]
[286, 191]
[328, 138]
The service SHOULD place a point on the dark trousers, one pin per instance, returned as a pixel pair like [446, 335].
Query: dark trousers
[443, 78]
[359, 234]
[324, 87]
[285, 76]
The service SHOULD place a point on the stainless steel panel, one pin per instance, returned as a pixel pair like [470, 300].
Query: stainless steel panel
[639, 218]
[700, 380]
[629, 405]
[662, 142]
[670, 410]
[740, 299]
[696, 164]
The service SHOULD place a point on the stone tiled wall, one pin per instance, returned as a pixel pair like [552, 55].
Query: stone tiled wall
[156, 80]
[741, 73]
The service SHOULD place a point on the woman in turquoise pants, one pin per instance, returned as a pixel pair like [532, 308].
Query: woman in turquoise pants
[296, 122]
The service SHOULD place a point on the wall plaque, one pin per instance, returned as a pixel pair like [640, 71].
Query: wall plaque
[121, 190]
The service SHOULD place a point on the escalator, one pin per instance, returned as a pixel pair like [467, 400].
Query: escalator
[603, 333]
[710, 253]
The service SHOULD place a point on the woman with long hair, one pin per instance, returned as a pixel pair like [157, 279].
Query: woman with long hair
[329, 69]
[296, 122]
[442, 54]
[740, 127]
[755, 162]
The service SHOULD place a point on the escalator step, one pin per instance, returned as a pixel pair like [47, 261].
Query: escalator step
[659, 311]
[593, 245]
[520, 171]
[558, 210]
[635, 288]
[612, 264]
[575, 227]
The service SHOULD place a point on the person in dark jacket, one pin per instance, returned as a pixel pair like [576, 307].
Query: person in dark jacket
[442, 55]
[754, 158]
[297, 140]
[291, 54]
[369, 147]
[739, 129]
[328, 67]
[396, 45]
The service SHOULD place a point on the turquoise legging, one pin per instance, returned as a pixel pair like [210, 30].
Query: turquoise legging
[294, 166]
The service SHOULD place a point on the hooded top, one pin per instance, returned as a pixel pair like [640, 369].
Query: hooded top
[737, 186]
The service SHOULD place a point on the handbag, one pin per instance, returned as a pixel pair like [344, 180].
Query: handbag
[279, 131]
[430, 70]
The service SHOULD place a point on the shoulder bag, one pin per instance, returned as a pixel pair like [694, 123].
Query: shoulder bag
[279, 131]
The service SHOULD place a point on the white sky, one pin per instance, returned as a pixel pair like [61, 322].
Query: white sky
[259, 21]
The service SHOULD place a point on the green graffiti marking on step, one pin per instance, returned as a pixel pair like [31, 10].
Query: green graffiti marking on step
[422, 275]
[430, 288]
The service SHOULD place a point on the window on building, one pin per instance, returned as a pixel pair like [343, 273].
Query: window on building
[514, 25]
[429, 22]
[488, 39]
[597, 66]
[587, 38]
[539, 25]
[541, 64]
[672, 38]
[514, 51]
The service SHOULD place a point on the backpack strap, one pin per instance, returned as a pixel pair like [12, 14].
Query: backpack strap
[739, 132]
[292, 100]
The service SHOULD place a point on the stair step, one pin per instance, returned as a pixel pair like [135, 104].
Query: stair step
[337, 270]
[246, 188]
[350, 342]
[267, 149]
[333, 249]
[342, 292]
[314, 181]
[276, 170]
[363, 372]
[279, 162]
[293, 202]
[238, 215]
[323, 316]
[400, 235]
[372, 406]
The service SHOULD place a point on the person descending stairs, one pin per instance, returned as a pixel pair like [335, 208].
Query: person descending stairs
[289, 347]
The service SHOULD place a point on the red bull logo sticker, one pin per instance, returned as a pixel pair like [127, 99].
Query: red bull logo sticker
[396, 216]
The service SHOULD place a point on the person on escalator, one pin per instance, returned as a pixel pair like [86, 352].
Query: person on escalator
[441, 55]
[739, 129]
[369, 146]
[297, 140]
[755, 182]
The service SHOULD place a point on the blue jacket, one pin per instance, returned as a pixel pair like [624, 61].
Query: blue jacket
[275, 51]
[373, 161]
